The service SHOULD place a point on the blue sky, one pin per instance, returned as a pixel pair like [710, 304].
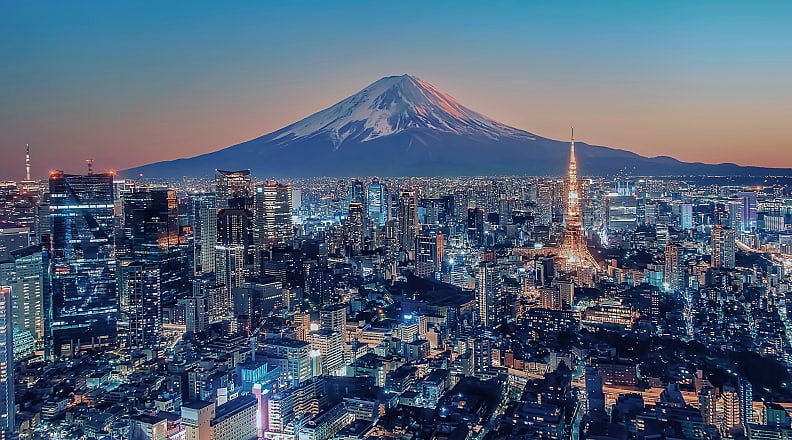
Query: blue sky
[133, 82]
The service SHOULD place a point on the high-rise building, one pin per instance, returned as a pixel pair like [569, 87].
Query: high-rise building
[686, 216]
[203, 221]
[140, 319]
[356, 192]
[273, 215]
[674, 268]
[748, 214]
[354, 227]
[208, 226]
[488, 294]
[231, 253]
[25, 273]
[475, 226]
[408, 221]
[429, 249]
[377, 202]
[724, 247]
[333, 317]
[233, 189]
[12, 239]
[7, 410]
[152, 235]
[84, 305]
[196, 312]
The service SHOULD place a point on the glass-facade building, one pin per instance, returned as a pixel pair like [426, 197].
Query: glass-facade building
[83, 309]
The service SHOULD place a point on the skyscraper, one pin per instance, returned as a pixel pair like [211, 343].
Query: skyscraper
[273, 217]
[231, 252]
[748, 209]
[203, 220]
[674, 269]
[354, 227]
[408, 221]
[140, 320]
[152, 235]
[377, 202]
[724, 247]
[233, 189]
[24, 272]
[429, 250]
[7, 410]
[84, 306]
[488, 294]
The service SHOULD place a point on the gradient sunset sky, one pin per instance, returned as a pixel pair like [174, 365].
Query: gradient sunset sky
[129, 83]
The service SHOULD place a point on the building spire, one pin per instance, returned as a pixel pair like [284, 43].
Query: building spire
[27, 162]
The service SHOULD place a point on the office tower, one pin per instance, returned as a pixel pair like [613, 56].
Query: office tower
[204, 228]
[231, 253]
[84, 287]
[734, 210]
[595, 397]
[273, 216]
[686, 216]
[377, 202]
[747, 200]
[408, 221]
[354, 227]
[196, 311]
[724, 247]
[12, 239]
[566, 293]
[152, 235]
[7, 409]
[622, 212]
[429, 250]
[488, 294]
[674, 268]
[233, 189]
[208, 214]
[544, 203]
[573, 247]
[25, 273]
[475, 227]
[651, 212]
[140, 319]
[258, 297]
[356, 192]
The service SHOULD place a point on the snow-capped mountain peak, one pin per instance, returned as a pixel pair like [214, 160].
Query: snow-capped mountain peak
[392, 105]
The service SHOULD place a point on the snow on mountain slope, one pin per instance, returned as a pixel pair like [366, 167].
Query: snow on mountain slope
[392, 105]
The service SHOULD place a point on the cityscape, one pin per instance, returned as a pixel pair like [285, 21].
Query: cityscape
[394, 266]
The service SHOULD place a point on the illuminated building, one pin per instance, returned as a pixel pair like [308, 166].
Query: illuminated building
[7, 408]
[573, 248]
[408, 221]
[724, 247]
[140, 319]
[84, 285]
[377, 202]
[232, 189]
[272, 215]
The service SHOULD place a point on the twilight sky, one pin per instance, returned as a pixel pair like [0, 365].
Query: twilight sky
[129, 83]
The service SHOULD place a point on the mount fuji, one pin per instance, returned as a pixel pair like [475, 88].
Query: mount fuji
[404, 126]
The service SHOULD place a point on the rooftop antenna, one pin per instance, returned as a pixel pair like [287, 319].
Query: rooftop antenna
[27, 162]
[89, 162]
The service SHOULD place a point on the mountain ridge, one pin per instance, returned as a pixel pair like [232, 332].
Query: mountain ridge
[404, 126]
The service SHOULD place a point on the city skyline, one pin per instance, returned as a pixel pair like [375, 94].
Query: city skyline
[694, 82]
